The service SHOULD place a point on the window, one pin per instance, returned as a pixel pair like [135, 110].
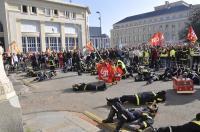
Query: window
[24, 9]
[166, 27]
[34, 10]
[55, 12]
[67, 14]
[160, 28]
[73, 15]
[1, 27]
[167, 18]
[38, 44]
[181, 15]
[83, 15]
[31, 44]
[53, 43]
[173, 28]
[71, 43]
[48, 12]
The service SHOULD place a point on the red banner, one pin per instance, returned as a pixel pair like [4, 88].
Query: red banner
[191, 36]
[157, 39]
[105, 72]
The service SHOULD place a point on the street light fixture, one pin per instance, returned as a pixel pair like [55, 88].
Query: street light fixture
[100, 27]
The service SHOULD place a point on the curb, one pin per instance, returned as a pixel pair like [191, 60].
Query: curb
[110, 126]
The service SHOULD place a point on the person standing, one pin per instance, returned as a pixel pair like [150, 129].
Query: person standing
[15, 61]
[77, 61]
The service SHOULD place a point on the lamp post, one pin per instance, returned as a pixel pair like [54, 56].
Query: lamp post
[100, 28]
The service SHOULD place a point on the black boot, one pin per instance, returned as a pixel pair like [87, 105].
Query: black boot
[107, 120]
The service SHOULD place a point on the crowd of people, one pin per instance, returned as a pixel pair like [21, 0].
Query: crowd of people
[153, 57]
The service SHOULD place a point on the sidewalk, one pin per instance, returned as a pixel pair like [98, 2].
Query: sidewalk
[57, 122]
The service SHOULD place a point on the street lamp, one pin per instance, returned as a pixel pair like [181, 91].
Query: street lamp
[100, 27]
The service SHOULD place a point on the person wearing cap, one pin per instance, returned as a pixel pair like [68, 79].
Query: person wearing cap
[192, 126]
[141, 118]
[140, 98]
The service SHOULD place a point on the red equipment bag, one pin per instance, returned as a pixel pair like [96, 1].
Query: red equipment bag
[118, 73]
[183, 85]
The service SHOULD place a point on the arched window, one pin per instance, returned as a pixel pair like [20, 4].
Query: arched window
[1, 27]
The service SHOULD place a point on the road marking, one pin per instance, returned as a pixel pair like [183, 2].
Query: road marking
[110, 126]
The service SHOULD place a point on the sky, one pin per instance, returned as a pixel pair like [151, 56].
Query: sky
[113, 11]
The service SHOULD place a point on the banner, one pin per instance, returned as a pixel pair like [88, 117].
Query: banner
[191, 36]
[105, 72]
[157, 39]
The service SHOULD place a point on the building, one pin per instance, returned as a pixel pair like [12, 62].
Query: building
[170, 18]
[37, 25]
[99, 40]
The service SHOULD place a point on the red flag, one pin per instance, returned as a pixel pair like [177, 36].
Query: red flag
[191, 36]
[89, 46]
[157, 39]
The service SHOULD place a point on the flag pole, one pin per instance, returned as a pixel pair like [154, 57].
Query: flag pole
[97, 52]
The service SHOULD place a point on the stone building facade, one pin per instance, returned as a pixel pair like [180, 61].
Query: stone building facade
[37, 25]
[170, 18]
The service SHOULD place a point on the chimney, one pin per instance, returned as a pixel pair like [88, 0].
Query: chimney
[166, 3]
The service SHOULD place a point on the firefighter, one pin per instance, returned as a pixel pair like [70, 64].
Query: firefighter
[172, 55]
[146, 56]
[184, 56]
[196, 58]
[51, 63]
[191, 52]
[163, 57]
[140, 98]
[141, 117]
[193, 126]
[123, 67]
[77, 61]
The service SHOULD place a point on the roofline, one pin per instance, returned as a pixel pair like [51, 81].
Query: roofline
[70, 4]
[119, 22]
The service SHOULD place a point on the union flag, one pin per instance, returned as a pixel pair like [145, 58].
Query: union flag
[157, 39]
[105, 72]
[191, 36]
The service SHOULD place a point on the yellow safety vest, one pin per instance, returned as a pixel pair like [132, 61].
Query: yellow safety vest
[191, 52]
[119, 62]
[172, 53]
[164, 54]
[146, 54]
[196, 122]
